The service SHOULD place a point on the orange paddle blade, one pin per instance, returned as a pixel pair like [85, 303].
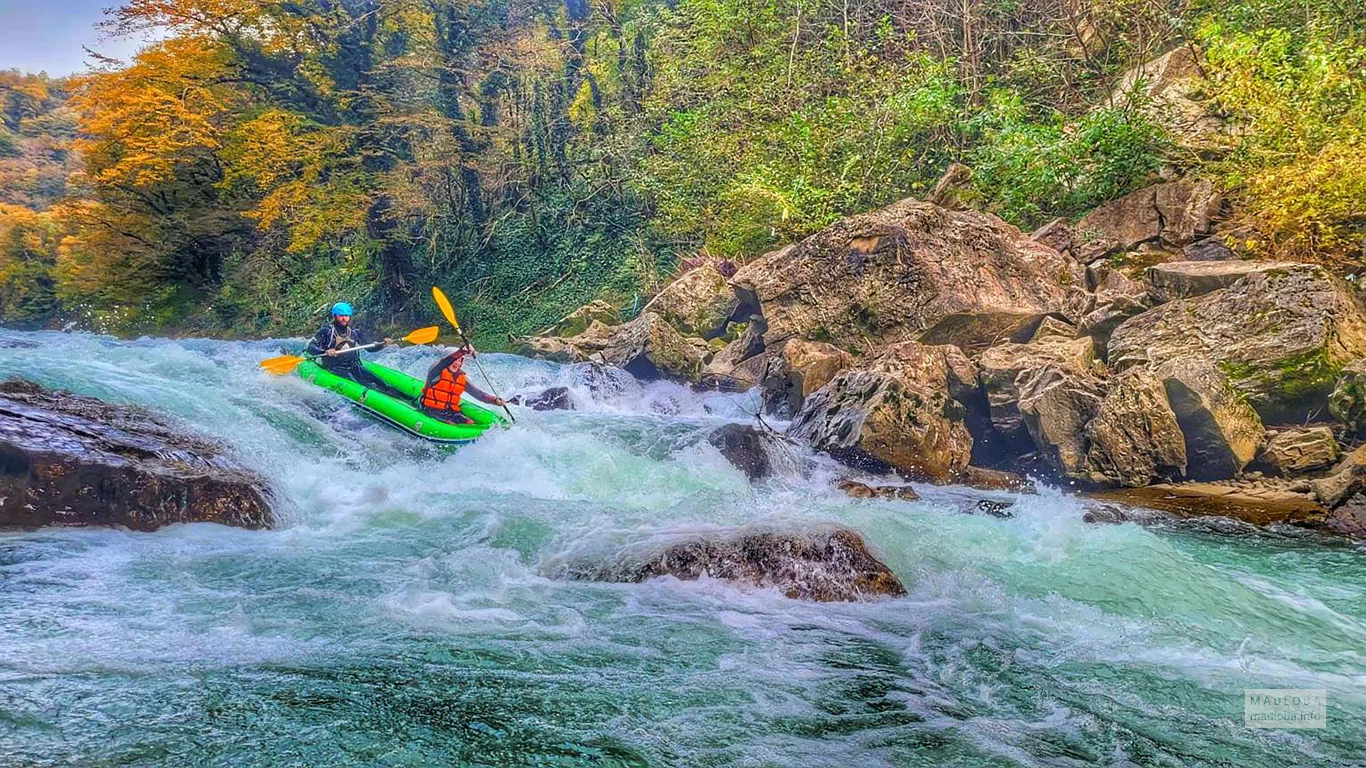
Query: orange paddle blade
[445, 305]
[422, 335]
[281, 365]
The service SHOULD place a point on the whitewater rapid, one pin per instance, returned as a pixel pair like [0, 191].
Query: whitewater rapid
[404, 611]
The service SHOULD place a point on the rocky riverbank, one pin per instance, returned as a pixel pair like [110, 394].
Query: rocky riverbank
[70, 460]
[1133, 350]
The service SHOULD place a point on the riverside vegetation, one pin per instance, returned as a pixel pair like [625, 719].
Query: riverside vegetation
[266, 157]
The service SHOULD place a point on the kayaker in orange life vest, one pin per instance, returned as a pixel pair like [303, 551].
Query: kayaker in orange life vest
[446, 382]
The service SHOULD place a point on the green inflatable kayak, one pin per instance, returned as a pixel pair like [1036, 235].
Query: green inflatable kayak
[402, 413]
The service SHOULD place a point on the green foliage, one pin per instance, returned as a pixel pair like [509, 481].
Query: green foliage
[1299, 96]
[1029, 170]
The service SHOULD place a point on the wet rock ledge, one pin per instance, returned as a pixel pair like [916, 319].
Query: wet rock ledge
[70, 460]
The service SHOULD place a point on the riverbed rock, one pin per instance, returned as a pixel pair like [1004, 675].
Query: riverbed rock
[1283, 336]
[1258, 505]
[985, 479]
[1168, 214]
[1056, 403]
[824, 566]
[1293, 451]
[1345, 481]
[1222, 432]
[741, 363]
[553, 399]
[864, 491]
[749, 449]
[698, 303]
[798, 369]
[1185, 279]
[70, 460]
[896, 413]
[910, 271]
[1347, 402]
[1135, 438]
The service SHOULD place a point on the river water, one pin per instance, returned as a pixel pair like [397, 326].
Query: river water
[405, 614]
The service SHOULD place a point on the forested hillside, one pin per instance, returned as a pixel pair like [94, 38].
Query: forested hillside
[268, 158]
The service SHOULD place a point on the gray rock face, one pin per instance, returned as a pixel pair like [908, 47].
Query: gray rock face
[1172, 213]
[1222, 432]
[820, 566]
[798, 369]
[1292, 451]
[1282, 336]
[1056, 403]
[649, 348]
[911, 271]
[698, 303]
[1135, 438]
[897, 413]
[1185, 279]
[1005, 368]
[74, 461]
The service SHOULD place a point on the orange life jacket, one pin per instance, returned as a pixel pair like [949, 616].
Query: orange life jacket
[444, 394]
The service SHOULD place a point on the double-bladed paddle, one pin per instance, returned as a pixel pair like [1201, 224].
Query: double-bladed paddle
[287, 363]
[446, 309]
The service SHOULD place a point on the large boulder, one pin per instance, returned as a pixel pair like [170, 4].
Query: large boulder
[1056, 402]
[698, 303]
[741, 363]
[649, 348]
[1283, 336]
[1222, 432]
[1170, 92]
[910, 271]
[581, 347]
[897, 413]
[822, 566]
[798, 369]
[1347, 480]
[1114, 299]
[1185, 279]
[1347, 403]
[1006, 367]
[1135, 438]
[75, 461]
[1296, 450]
[1170, 214]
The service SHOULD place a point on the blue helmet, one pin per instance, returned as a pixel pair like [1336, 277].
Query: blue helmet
[341, 308]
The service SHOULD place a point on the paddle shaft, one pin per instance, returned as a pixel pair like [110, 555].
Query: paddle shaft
[480, 366]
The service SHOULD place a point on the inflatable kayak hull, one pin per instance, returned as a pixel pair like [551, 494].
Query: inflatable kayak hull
[402, 413]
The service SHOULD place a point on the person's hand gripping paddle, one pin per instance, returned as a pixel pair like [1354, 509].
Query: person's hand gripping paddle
[446, 309]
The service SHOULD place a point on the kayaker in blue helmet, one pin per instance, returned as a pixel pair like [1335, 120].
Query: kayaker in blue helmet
[339, 335]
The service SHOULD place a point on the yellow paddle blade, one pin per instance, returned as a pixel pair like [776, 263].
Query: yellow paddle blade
[445, 305]
[422, 335]
[281, 365]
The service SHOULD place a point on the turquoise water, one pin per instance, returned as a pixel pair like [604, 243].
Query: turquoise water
[403, 613]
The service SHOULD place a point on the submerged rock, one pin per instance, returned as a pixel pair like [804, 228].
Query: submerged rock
[864, 491]
[553, 399]
[746, 447]
[825, 567]
[71, 460]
